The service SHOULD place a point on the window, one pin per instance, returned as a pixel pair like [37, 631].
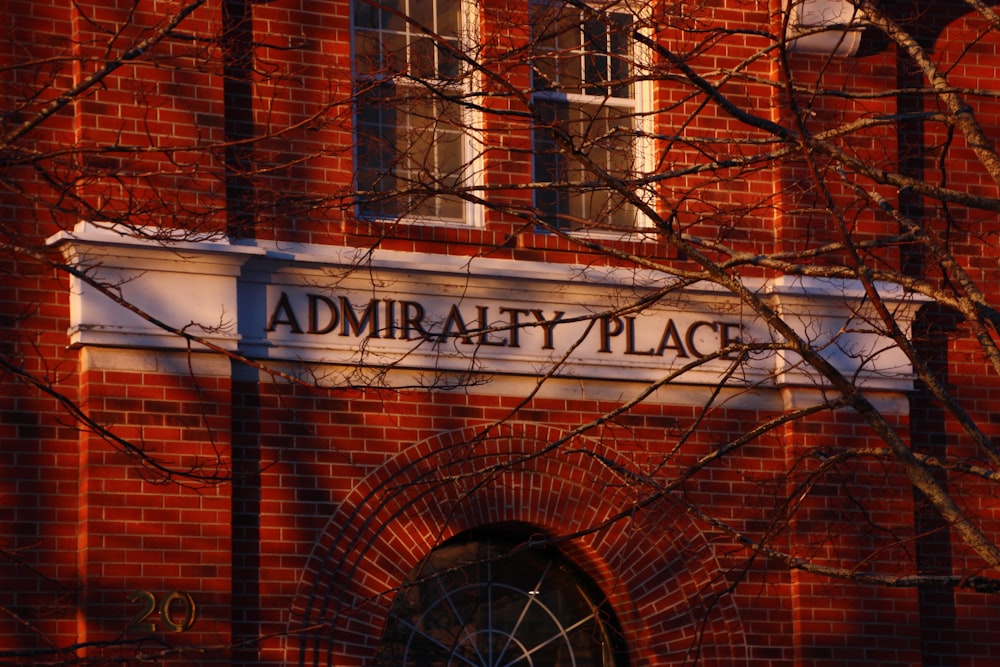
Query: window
[487, 599]
[585, 109]
[409, 119]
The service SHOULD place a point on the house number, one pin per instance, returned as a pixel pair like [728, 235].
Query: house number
[171, 616]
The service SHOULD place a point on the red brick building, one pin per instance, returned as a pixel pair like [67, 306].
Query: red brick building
[444, 332]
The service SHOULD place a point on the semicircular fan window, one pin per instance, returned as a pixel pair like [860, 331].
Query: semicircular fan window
[482, 600]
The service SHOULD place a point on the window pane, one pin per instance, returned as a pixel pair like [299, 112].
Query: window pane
[449, 62]
[367, 52]
[450, 163]
[549, 162]
[365, 16]
[392, 12]
[620, 69]
[595, 47]
[375, 126]
[448, 17]
[422, 12]
[422, 58]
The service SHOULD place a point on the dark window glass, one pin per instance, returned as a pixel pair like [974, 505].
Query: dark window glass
[488, 600]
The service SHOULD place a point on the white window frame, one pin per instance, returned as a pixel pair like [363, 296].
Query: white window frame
[636, 106]
[469, 122]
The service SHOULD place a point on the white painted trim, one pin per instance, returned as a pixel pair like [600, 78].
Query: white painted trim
[236, 289]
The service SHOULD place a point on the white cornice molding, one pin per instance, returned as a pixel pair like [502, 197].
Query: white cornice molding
[287, 304]
[187, 284]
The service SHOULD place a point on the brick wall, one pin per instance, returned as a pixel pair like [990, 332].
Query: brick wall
[147, 520]
[294, 513]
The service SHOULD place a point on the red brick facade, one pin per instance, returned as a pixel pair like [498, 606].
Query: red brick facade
[298, 491]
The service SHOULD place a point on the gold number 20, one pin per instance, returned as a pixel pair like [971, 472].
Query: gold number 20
[167, 608]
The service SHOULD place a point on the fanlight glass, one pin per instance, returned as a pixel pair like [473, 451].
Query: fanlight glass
[499, 602]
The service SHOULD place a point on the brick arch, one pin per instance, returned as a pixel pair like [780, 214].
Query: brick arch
[653, 563]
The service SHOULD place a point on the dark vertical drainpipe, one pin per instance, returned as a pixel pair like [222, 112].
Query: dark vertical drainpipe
[237, 44]
[245, 597]
[927, 419]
